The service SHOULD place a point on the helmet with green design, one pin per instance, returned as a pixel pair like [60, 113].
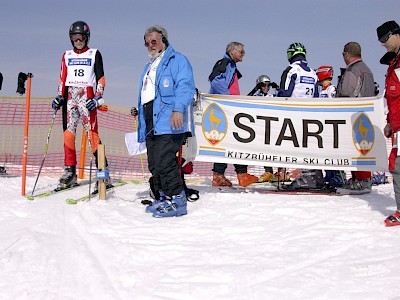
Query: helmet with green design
[294, 49]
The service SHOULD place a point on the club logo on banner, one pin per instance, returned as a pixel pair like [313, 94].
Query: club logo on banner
[363, 134]
[215, 124]
[342, 133]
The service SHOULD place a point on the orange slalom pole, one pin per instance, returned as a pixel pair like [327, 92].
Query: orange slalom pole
[25, 150]
[82, 158]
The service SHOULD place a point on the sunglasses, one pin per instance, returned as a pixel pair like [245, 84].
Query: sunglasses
[240, 51]
[385, 38]
[152, 42]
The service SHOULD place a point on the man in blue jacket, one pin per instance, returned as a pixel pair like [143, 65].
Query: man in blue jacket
[224, 79]
[165, 119]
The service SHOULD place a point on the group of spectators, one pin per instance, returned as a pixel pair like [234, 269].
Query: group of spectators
[165, 107]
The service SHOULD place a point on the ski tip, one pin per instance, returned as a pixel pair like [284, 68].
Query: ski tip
[30, 198]
[71, 201]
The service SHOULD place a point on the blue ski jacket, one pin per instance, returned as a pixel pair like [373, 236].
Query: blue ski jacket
[221, 77]
[174, 91]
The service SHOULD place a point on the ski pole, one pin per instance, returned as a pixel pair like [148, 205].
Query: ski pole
[140, 154]
[46, 148]
[91, 153]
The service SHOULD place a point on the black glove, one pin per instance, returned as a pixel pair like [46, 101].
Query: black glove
[256, 88]
[94, 103]
[274, 85]
[22, 77]
[259, 85]
[57, 102]
[134, 111]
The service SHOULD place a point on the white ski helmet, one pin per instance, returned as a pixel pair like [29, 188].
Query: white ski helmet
[263, 78]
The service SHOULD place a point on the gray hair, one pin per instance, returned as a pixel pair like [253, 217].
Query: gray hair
[232, 45]
[157, 28]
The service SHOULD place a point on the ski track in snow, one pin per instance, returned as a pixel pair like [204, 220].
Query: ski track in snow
[229, 246]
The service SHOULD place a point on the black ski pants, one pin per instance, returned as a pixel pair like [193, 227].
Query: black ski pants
[221, 167]
[161, 157]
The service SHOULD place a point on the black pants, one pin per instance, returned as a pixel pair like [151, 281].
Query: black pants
[221, 167]
[161, 156]
[269, 169]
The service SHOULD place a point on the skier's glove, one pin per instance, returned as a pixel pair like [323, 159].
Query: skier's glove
[57, 102]
[274, 85]
[134, 111]
[94, 103]
[259, 85]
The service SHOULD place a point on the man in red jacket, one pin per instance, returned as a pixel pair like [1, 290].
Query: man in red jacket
[389, 36]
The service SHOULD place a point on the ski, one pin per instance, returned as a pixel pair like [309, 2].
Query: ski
[273, 190]
[54, 192]
[253, 187]
[117, 184]
[9, 175]
[343, 191]
[3, 173]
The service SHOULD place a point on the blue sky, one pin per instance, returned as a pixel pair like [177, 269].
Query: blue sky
[35, 35]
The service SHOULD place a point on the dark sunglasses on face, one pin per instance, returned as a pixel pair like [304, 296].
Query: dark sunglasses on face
[152, 42]
[385, 38]
[241, 51]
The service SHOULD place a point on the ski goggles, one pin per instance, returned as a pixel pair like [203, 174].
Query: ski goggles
[77, 37]
[385, 38]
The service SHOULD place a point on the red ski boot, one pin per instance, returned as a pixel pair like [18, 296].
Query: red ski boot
[393, 220]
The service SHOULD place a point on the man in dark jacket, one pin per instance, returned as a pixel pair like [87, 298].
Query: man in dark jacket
[356, 80]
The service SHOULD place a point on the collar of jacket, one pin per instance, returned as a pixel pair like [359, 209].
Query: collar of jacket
[80, 51]
[354, 61]
[326, 85]
[298, 58]
[168, 53]
[229, 58]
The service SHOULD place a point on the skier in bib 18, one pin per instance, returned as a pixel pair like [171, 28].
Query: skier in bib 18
[80, 93]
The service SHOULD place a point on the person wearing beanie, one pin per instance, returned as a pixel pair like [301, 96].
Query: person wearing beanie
[389, 36]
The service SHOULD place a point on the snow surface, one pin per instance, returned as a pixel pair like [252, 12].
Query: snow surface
[229, 246]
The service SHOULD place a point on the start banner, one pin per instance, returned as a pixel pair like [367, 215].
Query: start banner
[317, 133]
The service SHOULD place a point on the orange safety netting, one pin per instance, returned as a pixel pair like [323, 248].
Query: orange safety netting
[113, 124]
